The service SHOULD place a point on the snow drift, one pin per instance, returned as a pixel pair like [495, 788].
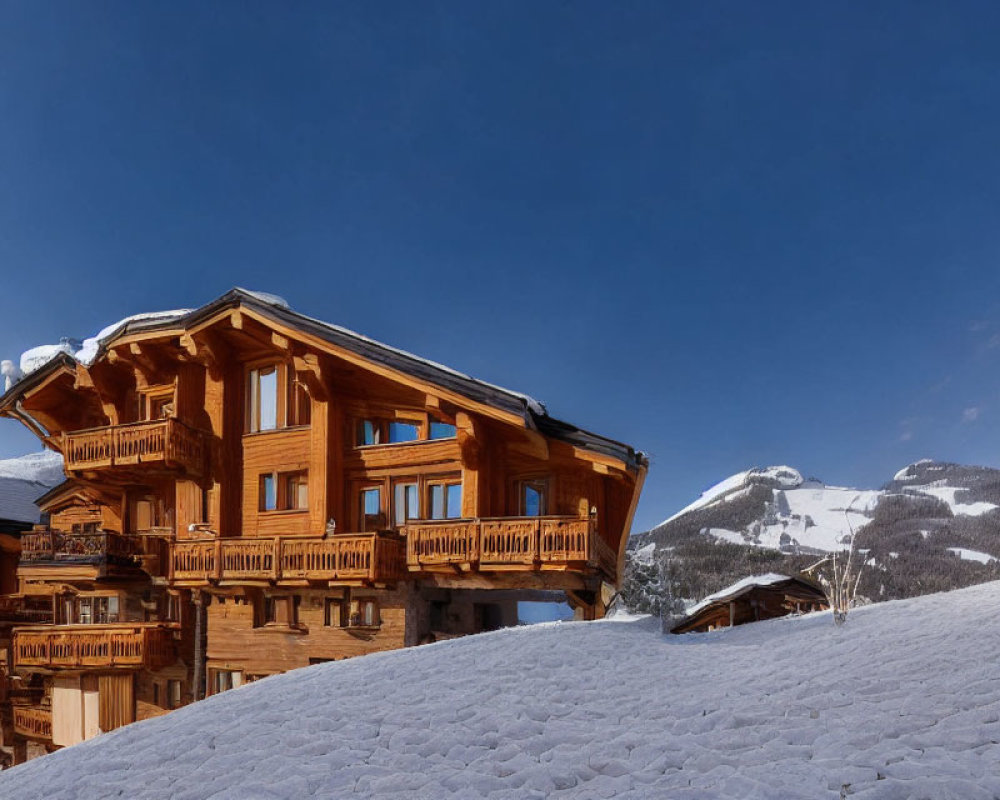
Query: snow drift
[903, 701]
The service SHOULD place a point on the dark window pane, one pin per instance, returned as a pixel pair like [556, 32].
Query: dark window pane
[532, 501]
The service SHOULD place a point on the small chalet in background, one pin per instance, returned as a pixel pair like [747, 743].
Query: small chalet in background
[753, 599]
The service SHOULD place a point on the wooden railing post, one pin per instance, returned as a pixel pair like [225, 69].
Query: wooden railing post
[218, 558]
[276, 559]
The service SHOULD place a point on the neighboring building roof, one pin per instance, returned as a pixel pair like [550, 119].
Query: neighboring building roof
[535, 415]
[771, 581]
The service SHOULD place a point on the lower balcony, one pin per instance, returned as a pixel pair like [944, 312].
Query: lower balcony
[32, 722]
[131, 646]
[509, 543]
[168, 443]
[349, 558]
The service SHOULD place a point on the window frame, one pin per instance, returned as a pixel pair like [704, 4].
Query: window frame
[446, 484]
[286, 486]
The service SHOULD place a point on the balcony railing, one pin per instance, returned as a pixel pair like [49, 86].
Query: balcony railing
[504, 543]
[146, 645]
[165, 441]
[372, 557]
[81, 548]
[35, 723]
[35, 609]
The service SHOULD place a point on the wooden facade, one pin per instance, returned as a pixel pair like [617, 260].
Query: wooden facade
[754, 601]
[250, 490]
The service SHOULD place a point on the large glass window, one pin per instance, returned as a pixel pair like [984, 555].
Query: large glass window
[446, 500]
[371, 509]
[263, 405]
[403, 432]
[405, 503]
[533, 498]
[284, 491]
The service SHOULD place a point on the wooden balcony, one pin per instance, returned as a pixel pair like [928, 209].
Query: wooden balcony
[509, 543]
[168, 443]
[47, 546]
[349, 558]
[33, 722]
[32, 609]
[131, 646]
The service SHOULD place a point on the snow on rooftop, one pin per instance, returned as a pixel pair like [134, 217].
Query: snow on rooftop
[752, 580]
[972, 555]
[86, 351]
[45, 468]
[899, 702]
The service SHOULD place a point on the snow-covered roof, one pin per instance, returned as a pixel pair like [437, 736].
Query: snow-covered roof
[738, 588]
[273, 307]
[23, 480]
[911, 713]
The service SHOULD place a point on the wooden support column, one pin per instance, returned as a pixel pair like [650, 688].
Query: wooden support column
[200, 600]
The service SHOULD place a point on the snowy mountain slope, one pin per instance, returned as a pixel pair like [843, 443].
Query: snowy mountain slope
[903, 701]
[809, 516]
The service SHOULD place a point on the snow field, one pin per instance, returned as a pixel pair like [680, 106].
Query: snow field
[902, 702]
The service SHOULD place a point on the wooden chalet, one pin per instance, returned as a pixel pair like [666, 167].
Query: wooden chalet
[250, 490]
[752, 600]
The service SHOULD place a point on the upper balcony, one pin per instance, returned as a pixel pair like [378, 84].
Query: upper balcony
[125, 645]
[501, 544]
[48, 546]
[168, 444]
[344, 558]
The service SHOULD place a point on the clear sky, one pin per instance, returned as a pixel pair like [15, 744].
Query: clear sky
[729, 234]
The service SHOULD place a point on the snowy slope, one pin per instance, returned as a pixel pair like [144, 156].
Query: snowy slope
[902, 702]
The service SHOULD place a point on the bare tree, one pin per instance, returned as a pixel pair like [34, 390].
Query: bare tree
[842, 574]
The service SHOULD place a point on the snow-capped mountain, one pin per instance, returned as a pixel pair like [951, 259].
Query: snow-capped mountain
[806, 515]
[933, 526]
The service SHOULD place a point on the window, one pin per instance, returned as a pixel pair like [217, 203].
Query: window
[268, 492]
[333, 613]
[441, 430]
[299, 406]
[225, 679]
[364, 613]
[405, 505]
[174, 694]
[446, 500]
[371, 516]
[403, 432]
[280, 610]
[368, 432]
[533, 498]
[283, 491]
[97, 610]
[262, 402]
[155, 403]
[296, 490]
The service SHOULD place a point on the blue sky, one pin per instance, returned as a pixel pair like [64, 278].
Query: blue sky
[728, 234]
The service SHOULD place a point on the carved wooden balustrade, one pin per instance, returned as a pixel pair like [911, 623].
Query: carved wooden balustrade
[47, 545]
[146, 645]
[33, 722]
[26, 608]
[165, 441]
[509, 543]
[372, 557]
